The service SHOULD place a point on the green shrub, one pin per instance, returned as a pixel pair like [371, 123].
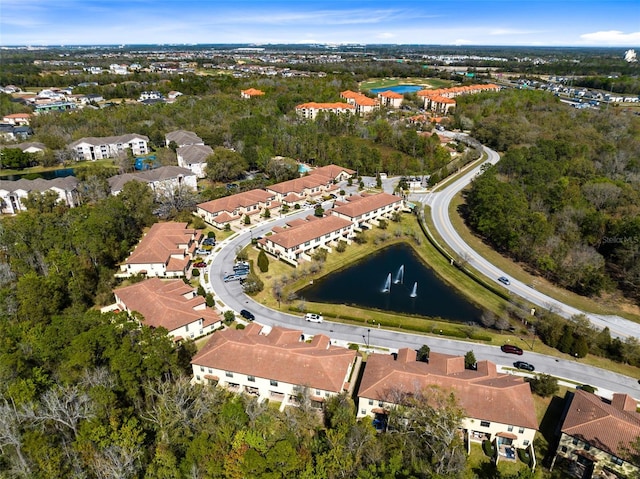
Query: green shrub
[524, 456]
[263, 261]
[229, 317]
[240, 326]
[588, 388]
[195, 272]
[543, 385]
[354, 346]
[487, 447]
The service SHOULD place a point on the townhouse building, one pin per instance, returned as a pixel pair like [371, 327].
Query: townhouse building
[311, 110]
[498, 407]
[302, 238]
[308, 187]
[170, 304]
[13, 192]
[165, 251]
[367, 210]
[232, 209]
[98, 148]
[440, 101]
[277, 364]
[595, 435]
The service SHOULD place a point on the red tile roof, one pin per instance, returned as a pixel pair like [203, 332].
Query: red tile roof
[230, 203]
[162, 241]
[360, 205]
[326, 106]
[609, 427]
[278, 355]
[308, 231]
[163, 303]
[484, 394]
[331, 171]
[299, 185]
[390, 94]
[253, 92]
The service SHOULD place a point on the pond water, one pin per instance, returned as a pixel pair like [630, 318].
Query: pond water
[47, 175]
[399, 89]
[396, 280]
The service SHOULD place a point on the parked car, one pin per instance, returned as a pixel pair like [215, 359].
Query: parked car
[248, 315]
[510, 348]
[200, 264]
[523, 365]
[314, 318]
[209, 241]
[504, 280]
[202, 251]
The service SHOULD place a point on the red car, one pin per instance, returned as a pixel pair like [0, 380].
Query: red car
[200, 264]
[509, 348]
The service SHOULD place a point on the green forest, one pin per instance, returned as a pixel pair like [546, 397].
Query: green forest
[565, 197]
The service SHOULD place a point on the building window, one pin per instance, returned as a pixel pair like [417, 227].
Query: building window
[510, 428]
[251, 379]
[575, 441]
[273, 382]
[363, 411]
[228, 374]
[201, 369]
[370, 402]
[616, 460]
[380, 403]
[317, 392]
[521, 430]
[485, 424]
[587, 446]
[210, 371]
[525, 443]
[563, 448]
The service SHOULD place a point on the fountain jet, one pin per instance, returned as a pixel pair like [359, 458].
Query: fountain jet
[387, 284]
[414, 291]
[399, 275]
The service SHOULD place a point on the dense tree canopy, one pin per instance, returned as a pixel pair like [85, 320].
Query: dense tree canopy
[565, 198]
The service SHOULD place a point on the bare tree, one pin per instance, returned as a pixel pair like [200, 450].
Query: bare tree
[11, 424]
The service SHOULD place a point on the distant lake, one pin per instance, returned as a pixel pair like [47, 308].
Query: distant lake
[399, 89]
[362, 285]
[47, 175]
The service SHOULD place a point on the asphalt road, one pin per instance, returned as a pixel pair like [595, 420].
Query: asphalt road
[386, 341]
[439, 203]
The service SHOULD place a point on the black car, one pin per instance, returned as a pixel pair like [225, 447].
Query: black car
[248, 315]
[523, 365]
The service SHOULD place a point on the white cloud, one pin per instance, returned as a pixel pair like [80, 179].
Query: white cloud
[386, 35]
[612, 37]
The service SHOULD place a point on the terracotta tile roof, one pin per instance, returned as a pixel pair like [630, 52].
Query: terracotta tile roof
[309, 231]
[484, 394]
[390, 94]
[163, 303]
[359, 206]
[230, 203]
[299, 185]
[278, 355]
[292, 198]
[162, 241]
[605, 426]
[332, 171]
[326, 106]
[253, 92]
[19, 115]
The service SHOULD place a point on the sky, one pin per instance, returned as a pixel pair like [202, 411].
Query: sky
[607, 23]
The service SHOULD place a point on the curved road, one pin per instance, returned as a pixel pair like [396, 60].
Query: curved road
[440, 202]
[385, 341]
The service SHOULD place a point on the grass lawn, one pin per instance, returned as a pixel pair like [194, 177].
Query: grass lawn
[428, 83]
[107, 163]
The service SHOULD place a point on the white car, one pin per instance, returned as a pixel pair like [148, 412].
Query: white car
[314, 318]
